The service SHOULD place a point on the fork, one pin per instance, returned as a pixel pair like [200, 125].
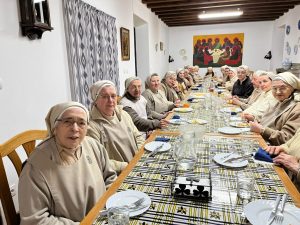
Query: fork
[130, 206]
[279, 217]
[136, 203]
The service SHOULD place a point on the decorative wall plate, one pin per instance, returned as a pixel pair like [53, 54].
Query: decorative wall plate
[288, 29]
[185, 58]
[182, 52]
[295, 49]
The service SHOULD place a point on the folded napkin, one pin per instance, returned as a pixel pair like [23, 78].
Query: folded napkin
[190, 99]
[262, 155]
[199, 85]
[163, 139]
[233, 113]
[194, 88]
[176, 117]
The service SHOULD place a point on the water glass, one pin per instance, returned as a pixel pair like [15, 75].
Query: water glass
[185, 155]
[118, 216]
[245, 186]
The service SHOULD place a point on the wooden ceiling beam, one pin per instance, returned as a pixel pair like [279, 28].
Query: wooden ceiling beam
[241, 18]
[211, 20]
[215, 22]
[195, 15]
[222, 7]
[199, 10]
[233, 3]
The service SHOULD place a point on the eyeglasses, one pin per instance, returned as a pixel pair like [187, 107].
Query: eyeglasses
[107, 97]
[69, 122]
[280, 89]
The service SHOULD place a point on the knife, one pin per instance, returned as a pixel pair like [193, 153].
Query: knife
[236, 158]
[104, 212]
[156, 149]
[274, 211]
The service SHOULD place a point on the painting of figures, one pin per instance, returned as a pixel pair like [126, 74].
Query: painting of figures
[218, 49]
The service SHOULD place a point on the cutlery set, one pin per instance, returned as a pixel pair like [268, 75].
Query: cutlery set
[229, 159]
[153, 153]
[137, 205]
[277, 213]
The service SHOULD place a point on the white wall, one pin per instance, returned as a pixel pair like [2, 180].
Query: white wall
[257, 42]
[293, 38]
[35, 73]
[142, 51]
[158, 32]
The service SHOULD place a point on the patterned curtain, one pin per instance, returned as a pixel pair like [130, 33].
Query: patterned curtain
[92, 48]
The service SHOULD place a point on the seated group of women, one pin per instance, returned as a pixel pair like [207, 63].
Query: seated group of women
[273, 110]
[84, 151]
[69, 171]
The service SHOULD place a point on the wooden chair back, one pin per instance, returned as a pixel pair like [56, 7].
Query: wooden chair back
[27, 140]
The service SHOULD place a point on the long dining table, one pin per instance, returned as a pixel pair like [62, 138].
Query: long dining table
[155, 176]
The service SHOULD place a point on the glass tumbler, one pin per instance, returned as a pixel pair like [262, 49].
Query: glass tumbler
[118, 216]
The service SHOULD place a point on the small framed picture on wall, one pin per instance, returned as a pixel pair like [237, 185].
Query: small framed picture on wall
[125, 43]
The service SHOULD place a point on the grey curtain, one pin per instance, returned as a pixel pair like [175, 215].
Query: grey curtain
[92, 48]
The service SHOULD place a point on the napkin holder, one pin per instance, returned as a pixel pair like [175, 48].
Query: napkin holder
[194, 188]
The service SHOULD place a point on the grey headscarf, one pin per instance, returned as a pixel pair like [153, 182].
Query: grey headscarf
[129, 80]
[58, 110]
[292, 80]
[147, 82]
[96, 88]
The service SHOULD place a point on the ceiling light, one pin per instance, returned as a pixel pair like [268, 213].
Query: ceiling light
[219, 14]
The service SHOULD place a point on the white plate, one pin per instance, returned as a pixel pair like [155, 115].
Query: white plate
[231, 109]
[127, 197]
[236, 118]
[177, 121]
[198, 121]
[239, 124]
[151, 146]
[183, 110]
[230, 130]
[219, 158]
[221, 87]
[258, 212]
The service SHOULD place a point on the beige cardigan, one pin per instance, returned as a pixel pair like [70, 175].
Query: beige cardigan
[281, 122]
[119, 135]
[50, 193]
[265, 101]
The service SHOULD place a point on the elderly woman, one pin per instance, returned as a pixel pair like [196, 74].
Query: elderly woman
[265, 101]
[281, 121]
[181, 80]
[156, 99]
[67, 173]
[246, 103]
[243, 87]
[136, 106]
[210, 72]
[112, 126]
[288, 155]
[167, 86]
[232, 78]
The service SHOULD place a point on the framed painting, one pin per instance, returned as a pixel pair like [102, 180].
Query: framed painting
[125, 44]
[218, 49]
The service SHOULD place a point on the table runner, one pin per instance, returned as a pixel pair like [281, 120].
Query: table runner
[154, 177]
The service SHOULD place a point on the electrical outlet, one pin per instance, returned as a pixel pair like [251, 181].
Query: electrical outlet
[13, 190]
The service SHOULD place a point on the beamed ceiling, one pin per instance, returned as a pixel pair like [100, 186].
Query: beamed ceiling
[185, 12]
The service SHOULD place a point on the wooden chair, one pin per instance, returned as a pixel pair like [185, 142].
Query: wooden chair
[26, 139]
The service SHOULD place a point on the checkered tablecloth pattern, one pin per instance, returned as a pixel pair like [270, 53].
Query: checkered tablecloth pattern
[154, 176]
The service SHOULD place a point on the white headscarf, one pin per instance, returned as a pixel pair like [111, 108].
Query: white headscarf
[96, 88]
[292, 80]
[58, 110]
[129, 80]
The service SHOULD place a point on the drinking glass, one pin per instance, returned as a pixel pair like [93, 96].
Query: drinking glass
[245, 186]
[118, 216]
